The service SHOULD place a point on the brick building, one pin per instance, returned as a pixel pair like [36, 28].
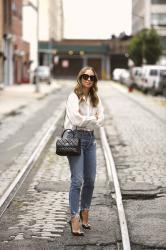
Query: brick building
[1, 43]
[20, 47]
[15, 48]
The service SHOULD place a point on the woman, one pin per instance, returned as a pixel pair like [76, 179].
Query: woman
[84, 112]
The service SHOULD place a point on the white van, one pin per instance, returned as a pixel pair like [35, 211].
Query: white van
[125, 77]
[136, 75]
[117, 74]
[150, 79]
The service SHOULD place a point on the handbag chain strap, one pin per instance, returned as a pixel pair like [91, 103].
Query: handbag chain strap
[67, 130]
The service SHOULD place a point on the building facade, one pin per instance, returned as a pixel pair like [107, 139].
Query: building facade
[56, 20]
[51, 25]
[67, 56]
[7, 42]
[148, 14]
[20, 47]
[30, 9]
[1, 44]
[51, 20]
[16, 50]
[140, 15]
[70, 55]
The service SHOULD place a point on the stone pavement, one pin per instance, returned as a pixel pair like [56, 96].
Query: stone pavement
[136, 128]
[18, 96]
[137, 139]
[38, 216]
[141, 129]
[21, 133]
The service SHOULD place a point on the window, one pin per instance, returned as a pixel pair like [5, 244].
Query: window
[158, 19]
[158, 1]
[153, 72]
[163, 72]
[14, 7]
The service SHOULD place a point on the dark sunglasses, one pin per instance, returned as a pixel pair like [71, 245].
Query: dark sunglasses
[87, 77]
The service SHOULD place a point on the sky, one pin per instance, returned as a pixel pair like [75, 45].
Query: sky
[96, 19]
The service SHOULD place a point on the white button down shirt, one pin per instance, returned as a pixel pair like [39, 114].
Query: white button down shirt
[83, 114]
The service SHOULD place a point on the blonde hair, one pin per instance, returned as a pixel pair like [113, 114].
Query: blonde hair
[78, 90]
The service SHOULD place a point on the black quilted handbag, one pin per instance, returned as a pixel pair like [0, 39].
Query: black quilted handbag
[69, 145]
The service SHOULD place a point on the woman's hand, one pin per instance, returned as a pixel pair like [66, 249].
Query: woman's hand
[96, 116]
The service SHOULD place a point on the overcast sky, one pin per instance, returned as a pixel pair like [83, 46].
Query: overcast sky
[96, 19]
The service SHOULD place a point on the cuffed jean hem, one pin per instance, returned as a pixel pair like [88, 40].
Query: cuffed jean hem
[85, 208]
[75, 215]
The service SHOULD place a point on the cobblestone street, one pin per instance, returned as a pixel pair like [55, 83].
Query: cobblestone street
[82, 125]
[42, 211]
[141, 150]
[136, 132]
[38, 216]
[20, 134]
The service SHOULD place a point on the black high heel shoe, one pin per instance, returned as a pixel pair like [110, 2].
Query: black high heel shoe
[85, 226]
[79, 233]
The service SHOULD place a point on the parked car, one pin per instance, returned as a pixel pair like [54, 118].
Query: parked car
[125, 77]
[136, 73]
[42, 74]
[117, 73]
[162, 83]
[150, 79]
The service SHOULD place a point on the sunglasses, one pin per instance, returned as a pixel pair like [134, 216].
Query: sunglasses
[87, 77]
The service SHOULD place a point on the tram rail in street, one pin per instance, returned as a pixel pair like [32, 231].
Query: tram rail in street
[38, 190]
[10, 193]
[112, 174]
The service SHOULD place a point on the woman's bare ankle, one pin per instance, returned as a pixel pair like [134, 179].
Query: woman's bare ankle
[85, 216]
[75, 223]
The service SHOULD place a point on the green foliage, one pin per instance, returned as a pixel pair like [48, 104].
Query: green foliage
[145, 46]
[135, 50]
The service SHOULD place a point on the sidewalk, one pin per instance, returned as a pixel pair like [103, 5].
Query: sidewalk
[17, 96]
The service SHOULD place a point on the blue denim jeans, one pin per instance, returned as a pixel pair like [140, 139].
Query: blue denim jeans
[83, 173]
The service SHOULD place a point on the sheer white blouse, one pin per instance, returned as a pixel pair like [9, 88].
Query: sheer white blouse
[83, 114]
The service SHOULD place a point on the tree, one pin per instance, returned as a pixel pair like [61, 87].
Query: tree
[146, 45]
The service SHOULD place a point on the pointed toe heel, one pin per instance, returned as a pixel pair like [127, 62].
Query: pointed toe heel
[86, 226]
[75, 233]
